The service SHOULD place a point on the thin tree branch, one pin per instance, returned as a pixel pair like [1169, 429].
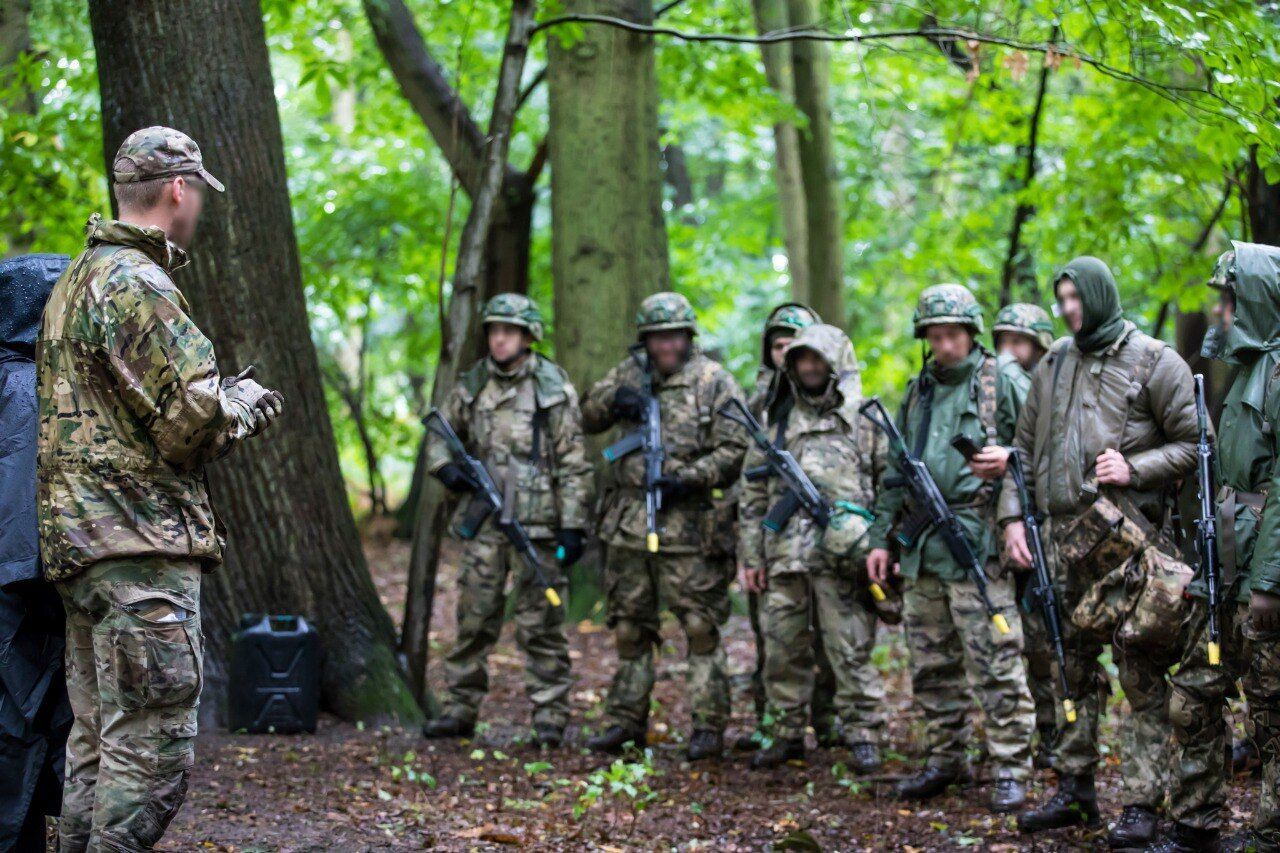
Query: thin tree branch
[1024, 210]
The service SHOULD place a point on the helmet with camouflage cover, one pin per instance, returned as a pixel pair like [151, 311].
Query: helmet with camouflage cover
[789, 317]
[514, 309]
[1025, 319]
[663, 311]
[1224, 271]
[947, 303]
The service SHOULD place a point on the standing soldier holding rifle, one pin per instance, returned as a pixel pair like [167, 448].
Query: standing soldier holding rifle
[655, 521]
[959, 609]
[1238, 640]
[518, 414]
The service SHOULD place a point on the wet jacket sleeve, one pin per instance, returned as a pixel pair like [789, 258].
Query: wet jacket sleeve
[753, 505]
[1009, 508]
[1173, 407]
[572, 471]
[721, 465]
[597, 406]
[1266, 554]
[455, 412]
[166, 373]
[889, 499]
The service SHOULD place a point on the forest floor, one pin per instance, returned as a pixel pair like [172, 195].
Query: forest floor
[355, 787]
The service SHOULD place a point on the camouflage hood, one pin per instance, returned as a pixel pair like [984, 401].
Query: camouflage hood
[1100, 298]
[836, 350]
[1254, 277]
[152, 242]
[25, 282]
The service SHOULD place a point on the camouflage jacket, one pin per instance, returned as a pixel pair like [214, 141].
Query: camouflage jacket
[526, 427]
[1078, 406]
[955, 409]
[840, 451]
[131, 406]
[703, 449]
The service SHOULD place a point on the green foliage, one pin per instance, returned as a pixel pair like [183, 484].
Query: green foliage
[623, 783]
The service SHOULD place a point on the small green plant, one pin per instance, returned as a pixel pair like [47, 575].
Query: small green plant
[622, 783]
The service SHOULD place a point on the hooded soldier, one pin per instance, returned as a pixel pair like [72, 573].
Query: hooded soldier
[702, 452]
[516, 411]
[955, 651]
[810, 578]
[1247, 279]
[1110, 409]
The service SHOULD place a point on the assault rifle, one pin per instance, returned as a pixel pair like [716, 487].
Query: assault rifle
[933, 512]
[487, 501]
[1207, 523]
[1044, 592]
[648, 439]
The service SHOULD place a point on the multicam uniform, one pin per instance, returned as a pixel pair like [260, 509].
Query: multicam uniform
[705, 451]
[843, 455]
[948, 630]
[525, 425]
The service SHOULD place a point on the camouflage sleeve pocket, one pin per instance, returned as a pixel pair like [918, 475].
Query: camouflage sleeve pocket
[155, 648]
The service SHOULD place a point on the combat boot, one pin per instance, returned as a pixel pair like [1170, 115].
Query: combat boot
[865, 758]
[1187, 839]
[928, 783]
[448, 727]
[1074, 803]
[547, 735]
[1137, 828]
[1007, 796]
[1245, 758]
[705, 744]
[828, 733]
[1246, 842]
[616, 738]
[778, 753]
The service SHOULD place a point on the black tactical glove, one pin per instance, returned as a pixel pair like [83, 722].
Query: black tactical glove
[569, 546]
[628, 404]
[673, 488]
[455, 479]
[1264, 611]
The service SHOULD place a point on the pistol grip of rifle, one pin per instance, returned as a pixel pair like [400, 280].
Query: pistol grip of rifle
[475, 515]
[781, 512]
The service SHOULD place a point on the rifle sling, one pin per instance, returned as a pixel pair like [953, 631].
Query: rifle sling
[1229, 502]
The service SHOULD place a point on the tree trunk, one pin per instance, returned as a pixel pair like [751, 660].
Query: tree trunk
[203, 67]
[608, 238]
[15, 40]
[1263, 203]
[460, 334]
[772, 16]
[823, 201]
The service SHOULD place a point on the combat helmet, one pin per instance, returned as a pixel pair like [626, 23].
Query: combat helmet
[663, 311]
[1224, 271]
[947, 303]
[514, 309]
[789, 317]
[1025, 319]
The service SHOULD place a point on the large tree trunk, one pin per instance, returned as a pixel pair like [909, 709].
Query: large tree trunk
[823, 201]
[203, 67]
[771, 17]
[608, 237]
[1262, 201]
[15, 40]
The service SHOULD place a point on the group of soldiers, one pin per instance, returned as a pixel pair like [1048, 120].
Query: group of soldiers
[1107, 410]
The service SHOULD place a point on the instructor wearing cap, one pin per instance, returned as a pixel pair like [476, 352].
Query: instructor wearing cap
[131, 407]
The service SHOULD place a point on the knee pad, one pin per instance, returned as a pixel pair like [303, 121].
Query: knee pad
[703, 635]
[632, 640]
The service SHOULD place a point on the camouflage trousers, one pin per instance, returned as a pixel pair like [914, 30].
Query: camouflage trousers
[1197, 711]
[539, 627]
[951, 639]
[134, 674]
[822, 711]
[638, 586]
[803, 611]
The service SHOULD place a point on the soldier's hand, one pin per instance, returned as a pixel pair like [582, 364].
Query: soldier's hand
[1015, 543]
[628, 404]
[990, 462]
[1112, 469]
[752, 580]
[878, 565]
[454, 478]
[1264, 611]
[261, 404]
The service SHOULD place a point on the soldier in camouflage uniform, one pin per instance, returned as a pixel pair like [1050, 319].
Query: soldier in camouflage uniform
[959, 391]
[131, 408]
[1114, 407]
[703, 452]
[811, 580]
[516, 411]
[1022, 334]
[781, 327]
[1248, 338]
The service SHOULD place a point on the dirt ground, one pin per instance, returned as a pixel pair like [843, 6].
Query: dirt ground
[356, 788]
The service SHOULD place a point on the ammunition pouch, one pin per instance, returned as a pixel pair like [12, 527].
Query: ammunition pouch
[1104, 537]
[1140, 605]
[845, 535]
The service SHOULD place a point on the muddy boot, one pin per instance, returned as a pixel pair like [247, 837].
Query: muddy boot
[1245, 758]
[547, 735]
[749, 742]
[1186, 839]
[1246, 842]
[1136, 829]
[1043, 758]
[778, 753]
[617, 738]
[705, 744]
[1075, 803]
[447, 727]
[1007, 796]
[865, 758]
[927, 784]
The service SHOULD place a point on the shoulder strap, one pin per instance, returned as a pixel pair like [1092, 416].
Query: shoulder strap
[986, 381]
[924, 393]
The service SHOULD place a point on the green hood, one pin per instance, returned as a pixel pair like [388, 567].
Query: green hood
[836, 350]
[1256, 283]
[1103, 320]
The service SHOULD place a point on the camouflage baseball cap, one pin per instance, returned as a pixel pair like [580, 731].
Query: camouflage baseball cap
[159, 152]
[947, 303]
[663, 311]
[514, 309]
[1224, 271]
[1025, 319]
